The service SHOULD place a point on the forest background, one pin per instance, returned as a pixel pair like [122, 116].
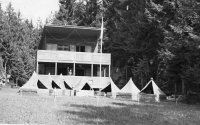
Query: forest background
[147, 38]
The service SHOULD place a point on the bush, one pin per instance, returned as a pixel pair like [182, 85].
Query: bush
[193, 97]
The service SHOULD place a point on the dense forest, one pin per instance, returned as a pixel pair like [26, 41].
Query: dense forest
[18, 44]
[147, 38]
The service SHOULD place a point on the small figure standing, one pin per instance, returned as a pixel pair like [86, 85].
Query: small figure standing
[70, 72]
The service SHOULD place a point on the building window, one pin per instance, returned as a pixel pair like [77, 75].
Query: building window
[63, 47]
[51, 47]
[80, 48]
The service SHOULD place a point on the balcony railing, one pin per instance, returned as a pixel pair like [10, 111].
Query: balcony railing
[77, 57]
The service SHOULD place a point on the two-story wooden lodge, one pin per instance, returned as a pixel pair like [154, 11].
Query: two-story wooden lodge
[73, 52]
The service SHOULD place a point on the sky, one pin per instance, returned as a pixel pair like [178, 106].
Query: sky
[33, 9]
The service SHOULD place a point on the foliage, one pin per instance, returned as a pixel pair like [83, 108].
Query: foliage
[180, 49]
[18, 44]
[156, 38]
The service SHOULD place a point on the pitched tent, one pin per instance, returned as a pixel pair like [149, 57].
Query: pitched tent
[152, 92]
[83, 85]
[152, 88]
[61, 83]
[111, 87]
[130, 87]
[53, 83]
[49, 82]
[31, 84]
[83, 88]
[46, 81]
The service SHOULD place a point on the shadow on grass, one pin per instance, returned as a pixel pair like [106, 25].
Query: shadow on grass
[121, 115]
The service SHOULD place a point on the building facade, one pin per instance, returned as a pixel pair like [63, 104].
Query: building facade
[73, 52]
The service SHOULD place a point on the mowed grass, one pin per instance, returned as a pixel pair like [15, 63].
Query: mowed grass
[34, 109]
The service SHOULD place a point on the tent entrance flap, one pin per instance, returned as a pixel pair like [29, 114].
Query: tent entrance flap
[86, 87]
[41, 85]
[148, 89]
[107, 89]
[54, 85]
[67, 86]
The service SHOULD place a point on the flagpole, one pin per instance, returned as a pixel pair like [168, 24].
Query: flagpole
[101, 49]
[101, 40]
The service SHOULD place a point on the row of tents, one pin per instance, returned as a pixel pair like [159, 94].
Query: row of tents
[151, 92]
[43, 85]
[82, 88]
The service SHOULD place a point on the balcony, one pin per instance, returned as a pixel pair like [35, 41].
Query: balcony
[73, 57]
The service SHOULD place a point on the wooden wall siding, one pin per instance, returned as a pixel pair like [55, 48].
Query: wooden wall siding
[47, 56]
[77, 57]
[83, 57]
[62, 57]
[104, 58]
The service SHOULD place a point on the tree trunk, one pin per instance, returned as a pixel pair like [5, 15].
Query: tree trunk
[183, 86]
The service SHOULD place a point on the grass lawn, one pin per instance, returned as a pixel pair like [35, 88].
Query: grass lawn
[34, 109]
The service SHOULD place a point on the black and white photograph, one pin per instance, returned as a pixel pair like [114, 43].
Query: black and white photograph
[99, 62]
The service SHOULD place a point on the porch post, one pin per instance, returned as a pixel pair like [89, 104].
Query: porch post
[37, 67]
[74, 70]
[109, 71]
[91, 70]
[56, 68]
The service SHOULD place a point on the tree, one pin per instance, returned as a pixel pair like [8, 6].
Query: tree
[18, 43]
[133, 33]
[180, 49]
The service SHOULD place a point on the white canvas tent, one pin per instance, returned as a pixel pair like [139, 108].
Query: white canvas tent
[83, 85]
[31, 84]
[152, 89]
[83, 88]
[130, 87]
[47, 81]
[111, 87]
[60, 81]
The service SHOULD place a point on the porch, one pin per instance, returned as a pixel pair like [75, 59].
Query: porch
[73, 63]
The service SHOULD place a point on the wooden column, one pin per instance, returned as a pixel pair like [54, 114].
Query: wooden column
[91, 70]
[109, 70]
[74, 69]
[56, 65]
[37, 68]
